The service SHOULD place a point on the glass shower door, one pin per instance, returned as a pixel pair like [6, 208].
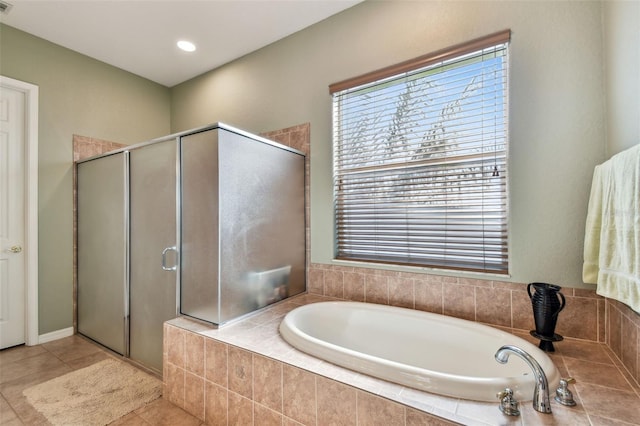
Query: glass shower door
[153, 249]
[102, 250]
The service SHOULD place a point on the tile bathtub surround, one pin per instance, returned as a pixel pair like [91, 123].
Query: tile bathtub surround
[623, 335]
[240, 386]
[251, 376]
[495, 303]
[586, 316]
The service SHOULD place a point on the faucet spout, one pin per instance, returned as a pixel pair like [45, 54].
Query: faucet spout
[541, 401]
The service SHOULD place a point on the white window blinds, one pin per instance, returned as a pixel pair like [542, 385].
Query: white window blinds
[420, 155]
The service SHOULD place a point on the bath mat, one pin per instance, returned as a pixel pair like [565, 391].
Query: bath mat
[95, 395]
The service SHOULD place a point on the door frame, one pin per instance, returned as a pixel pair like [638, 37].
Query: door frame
[31, 205]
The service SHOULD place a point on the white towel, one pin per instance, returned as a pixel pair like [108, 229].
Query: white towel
[612, 234]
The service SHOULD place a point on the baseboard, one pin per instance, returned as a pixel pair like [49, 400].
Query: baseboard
[55, 335]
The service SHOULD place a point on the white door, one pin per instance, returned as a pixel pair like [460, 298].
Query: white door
[12, 217]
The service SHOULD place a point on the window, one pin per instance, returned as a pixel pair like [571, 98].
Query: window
[420, 154]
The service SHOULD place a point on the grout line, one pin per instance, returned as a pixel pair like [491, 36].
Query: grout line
[315, 397]
[475, 304]
[10, 407]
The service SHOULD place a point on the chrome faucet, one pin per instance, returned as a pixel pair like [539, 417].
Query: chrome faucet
[541, 401]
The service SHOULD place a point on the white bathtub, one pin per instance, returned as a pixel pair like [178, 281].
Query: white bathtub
[430, 352]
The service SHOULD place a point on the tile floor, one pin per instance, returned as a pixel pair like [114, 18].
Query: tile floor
[24, 366]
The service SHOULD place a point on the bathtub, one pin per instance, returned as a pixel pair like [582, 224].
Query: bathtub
[421, 350]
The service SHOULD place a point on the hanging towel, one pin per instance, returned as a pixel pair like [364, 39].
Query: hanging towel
[612, 234]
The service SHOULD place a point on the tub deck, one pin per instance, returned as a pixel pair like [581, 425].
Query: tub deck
[252, 347]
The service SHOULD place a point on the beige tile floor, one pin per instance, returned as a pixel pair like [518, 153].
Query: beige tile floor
[24, 366]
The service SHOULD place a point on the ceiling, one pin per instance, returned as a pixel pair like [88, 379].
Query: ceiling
[140, 36]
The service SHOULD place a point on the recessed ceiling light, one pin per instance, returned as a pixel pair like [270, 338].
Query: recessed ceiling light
[187, 46]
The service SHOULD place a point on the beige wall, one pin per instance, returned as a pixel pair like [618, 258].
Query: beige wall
[82, 96]
[621, 21]
[557, 126]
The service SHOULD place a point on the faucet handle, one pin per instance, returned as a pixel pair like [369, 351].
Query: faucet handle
[508, 404]
[563, 395]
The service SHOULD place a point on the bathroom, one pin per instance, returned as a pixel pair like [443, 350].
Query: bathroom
[572, 85]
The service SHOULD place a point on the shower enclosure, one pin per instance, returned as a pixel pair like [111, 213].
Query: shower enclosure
[207, 223]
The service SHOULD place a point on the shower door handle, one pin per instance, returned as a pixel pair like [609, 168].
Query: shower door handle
[164, 259]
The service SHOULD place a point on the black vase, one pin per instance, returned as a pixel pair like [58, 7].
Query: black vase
[547, 302]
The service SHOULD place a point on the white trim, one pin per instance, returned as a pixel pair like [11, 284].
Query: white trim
[31, 200]
[55, 335]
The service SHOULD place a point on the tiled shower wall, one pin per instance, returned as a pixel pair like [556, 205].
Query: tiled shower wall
[85, 147]
[299, 137]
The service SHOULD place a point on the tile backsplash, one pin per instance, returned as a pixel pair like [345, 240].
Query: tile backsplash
[496, 303]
